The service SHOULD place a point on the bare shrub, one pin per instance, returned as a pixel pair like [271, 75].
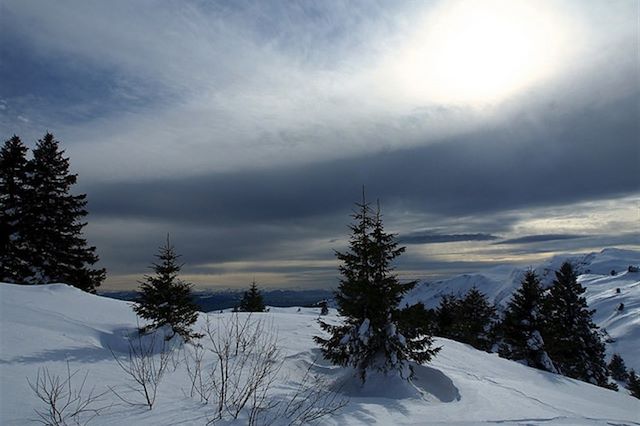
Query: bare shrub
[200, 379]
[66, 402]
[246, 363]
[144, 367]
[313, 399]
[244, 372]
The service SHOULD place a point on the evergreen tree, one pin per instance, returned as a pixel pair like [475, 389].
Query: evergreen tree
[375, 335]
[468, 320]
[324, 307]
[446, 315]
[633, 384]
[618, 369]
[571, 337]
[13, 191]
[166, 300]
[52, 223]
[252, 300]
[478, 316]
[522, 325]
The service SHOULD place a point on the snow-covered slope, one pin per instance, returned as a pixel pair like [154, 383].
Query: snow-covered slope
[48, 325]
[622, 327]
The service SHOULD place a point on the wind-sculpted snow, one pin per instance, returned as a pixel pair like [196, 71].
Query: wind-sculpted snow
[621, 327]
[46, 326]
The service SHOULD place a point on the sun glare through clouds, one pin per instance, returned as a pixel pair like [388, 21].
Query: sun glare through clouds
[481, 52]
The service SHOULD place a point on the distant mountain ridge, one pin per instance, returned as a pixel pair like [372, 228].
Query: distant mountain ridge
[209, 301]
[604, 274]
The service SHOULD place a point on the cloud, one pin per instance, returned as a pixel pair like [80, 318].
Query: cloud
[431, 238]
[160, 89]
[246, 129]
[580, 157]
[527, 239]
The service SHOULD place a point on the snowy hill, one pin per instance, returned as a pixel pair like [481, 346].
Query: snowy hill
[622, 327]
[46, 326]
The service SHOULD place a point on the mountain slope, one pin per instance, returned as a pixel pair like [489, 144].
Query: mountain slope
[622, 327]
[48, 325]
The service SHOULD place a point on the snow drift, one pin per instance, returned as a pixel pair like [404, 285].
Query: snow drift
[46, 326]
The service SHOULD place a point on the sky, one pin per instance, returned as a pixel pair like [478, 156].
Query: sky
[490, 132]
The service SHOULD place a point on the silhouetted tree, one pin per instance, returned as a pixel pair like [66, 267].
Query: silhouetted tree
[57, 251]
[375, 335]
[571, 337]
[618, 369]
[166, 300]
[469, 319]
[13, 191]
[522, 324]
[252, 300]
[324, 307]
[633, 384]
[446, 315]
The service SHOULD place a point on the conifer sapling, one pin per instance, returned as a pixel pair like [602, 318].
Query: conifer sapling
[252, 300]
[375, 334]
[166, 300]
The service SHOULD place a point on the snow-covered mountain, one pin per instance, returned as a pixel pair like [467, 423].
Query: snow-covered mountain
[604, 292]
[46, 326]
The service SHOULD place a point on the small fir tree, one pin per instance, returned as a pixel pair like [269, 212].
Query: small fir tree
[166, 300]
[478, 316]
[52, 223]
[633, 384]
[13, 191]
[324, 307]
[571, 337]
[618, 369]
[468, 320]
[252, 300]
[375, 335]
[522, 324]
[446, 315]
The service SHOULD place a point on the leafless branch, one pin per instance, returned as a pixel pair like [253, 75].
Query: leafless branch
[144, 368]
[66, 402]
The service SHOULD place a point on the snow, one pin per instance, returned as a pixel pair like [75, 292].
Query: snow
[623, 328]
[364, 332]
[48, 325]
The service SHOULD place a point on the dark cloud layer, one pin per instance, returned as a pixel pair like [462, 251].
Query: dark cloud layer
[540, 238]
[430, 238]
[590, 154]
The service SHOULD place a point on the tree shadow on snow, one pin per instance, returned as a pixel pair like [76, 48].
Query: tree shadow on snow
[436, 383]
[84, 354]
[428, 383]
[117, 342]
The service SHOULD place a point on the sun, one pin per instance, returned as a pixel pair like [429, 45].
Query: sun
[480, 51]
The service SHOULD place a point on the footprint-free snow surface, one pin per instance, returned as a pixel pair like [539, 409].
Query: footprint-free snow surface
[50, 325]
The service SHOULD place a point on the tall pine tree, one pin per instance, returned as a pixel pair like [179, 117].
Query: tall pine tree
[375, 335]
[13, 191]
[522, 326]
[570, 336]
[166, 300]
[52, 222]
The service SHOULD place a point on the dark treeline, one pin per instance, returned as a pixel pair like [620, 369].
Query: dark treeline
[549, 329]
